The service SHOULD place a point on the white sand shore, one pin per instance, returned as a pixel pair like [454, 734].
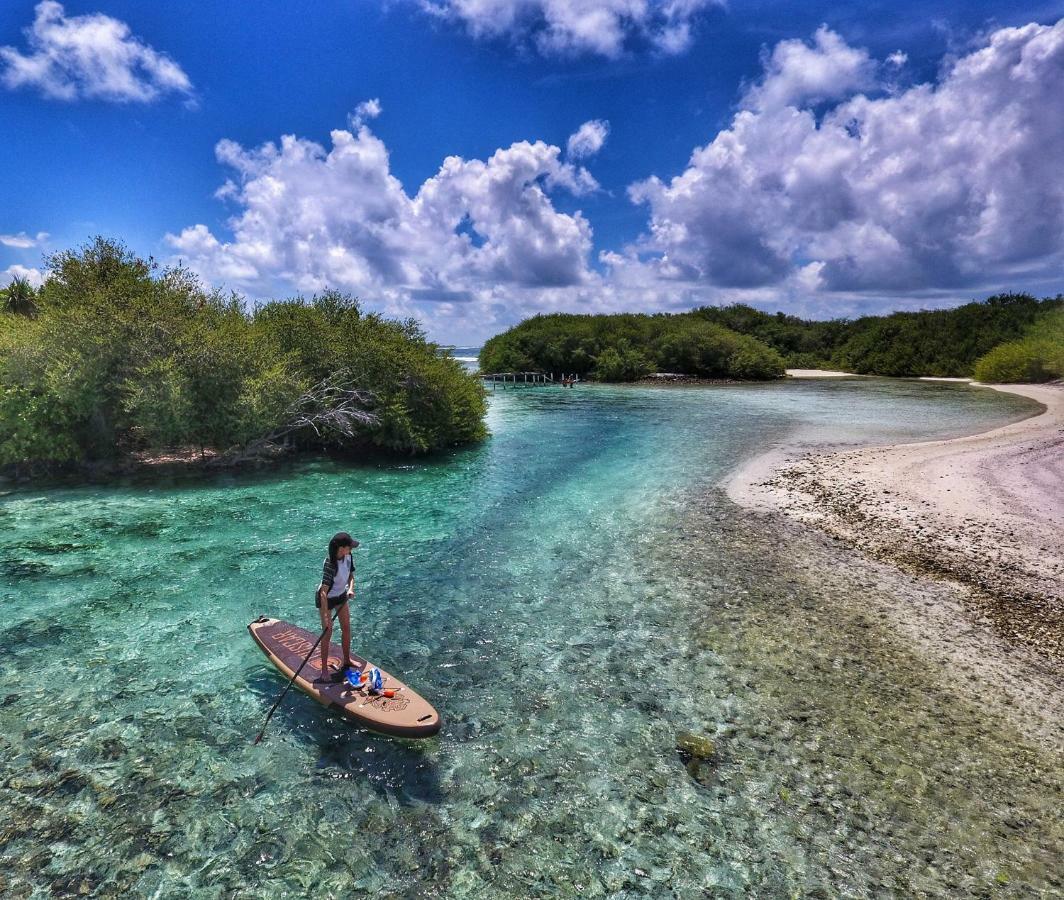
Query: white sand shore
[821, 373]
[985, 512]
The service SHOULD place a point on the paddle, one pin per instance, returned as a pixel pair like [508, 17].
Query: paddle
[292, 681]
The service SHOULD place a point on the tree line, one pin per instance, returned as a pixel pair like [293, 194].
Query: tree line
[946, 342]
[630, 346]
[112, 356]
[739, 341]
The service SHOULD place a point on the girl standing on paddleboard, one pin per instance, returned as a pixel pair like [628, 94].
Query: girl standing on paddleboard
[337, 587]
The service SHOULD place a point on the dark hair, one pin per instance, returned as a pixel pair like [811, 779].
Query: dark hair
[340, 539]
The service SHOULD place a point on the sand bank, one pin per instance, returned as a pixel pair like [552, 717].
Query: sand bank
[985, 510]
[820, 373]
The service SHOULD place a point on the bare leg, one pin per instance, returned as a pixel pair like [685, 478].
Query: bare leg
[345, 630]
[326, 627]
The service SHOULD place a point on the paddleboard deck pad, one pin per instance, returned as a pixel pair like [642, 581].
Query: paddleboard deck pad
[407, 714]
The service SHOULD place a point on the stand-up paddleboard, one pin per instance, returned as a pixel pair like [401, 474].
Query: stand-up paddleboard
[406, 714]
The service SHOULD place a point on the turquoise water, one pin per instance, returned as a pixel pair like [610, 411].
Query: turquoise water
[570, 595]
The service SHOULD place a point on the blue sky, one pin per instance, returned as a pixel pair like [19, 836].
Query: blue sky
[818, 158]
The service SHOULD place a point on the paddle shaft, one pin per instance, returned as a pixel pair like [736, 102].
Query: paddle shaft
[292, 681]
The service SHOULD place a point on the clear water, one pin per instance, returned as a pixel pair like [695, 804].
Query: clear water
[570, 595]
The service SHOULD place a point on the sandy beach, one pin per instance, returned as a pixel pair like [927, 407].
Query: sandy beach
[986, 511]
[821, 373]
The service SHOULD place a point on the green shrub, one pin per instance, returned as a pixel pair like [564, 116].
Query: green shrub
[19, 298]
[158, 403]
[1037, 357]
[752, 359]
[1012, 363]
[621, 364]
[119, 357]
[627, 347]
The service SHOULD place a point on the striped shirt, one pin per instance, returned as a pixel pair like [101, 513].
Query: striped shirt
[343, 568]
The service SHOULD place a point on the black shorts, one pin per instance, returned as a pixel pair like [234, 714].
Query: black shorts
[334, 602]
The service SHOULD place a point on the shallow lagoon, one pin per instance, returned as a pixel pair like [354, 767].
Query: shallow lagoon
[570, 595]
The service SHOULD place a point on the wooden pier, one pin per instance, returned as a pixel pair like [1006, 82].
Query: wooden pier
[517, 379]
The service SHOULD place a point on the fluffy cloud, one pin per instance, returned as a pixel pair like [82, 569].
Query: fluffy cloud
[817, 198]
[479, 232]
[797, 73]
[23, 241]
[573, 27]
[364, 112]
[34, 276]
[588, 139]
[91, 56]
[941, 186]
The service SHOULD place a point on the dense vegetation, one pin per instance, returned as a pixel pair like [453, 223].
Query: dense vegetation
[742, 342]
[111, 356]
[627, 347]
[945, 342]
[1038, 356]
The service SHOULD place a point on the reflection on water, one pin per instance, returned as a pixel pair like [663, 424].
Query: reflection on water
[570, 595]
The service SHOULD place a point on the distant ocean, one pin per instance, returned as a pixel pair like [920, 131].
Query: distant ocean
[468, 356]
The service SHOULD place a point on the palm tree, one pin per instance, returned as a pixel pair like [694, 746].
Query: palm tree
[19, 298]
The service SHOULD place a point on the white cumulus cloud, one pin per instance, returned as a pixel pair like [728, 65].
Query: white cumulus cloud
[364, 112]
[797, 73]
[477, 233]
[23, 241]
[574, 27]
[830, 192]
[92, 56]
[941, 186]
[588, 139]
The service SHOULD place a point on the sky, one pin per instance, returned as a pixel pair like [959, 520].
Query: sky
[470, 163]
